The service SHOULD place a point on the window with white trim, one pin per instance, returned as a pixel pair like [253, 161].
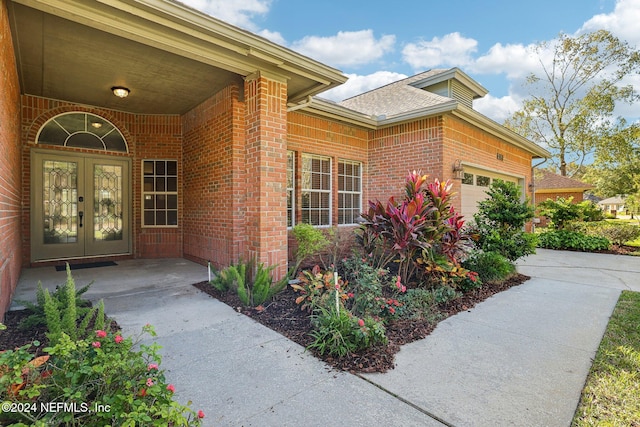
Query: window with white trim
[291, 167]
[159, 193]
[349, 191]
[316, 190]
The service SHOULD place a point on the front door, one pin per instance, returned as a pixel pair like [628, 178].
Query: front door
[80, 206]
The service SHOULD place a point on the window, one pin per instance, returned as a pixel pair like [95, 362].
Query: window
[160, 193]
[349, 191]
[82, 130]
[483, 181]
[316, 190]
[291, 167]
[467, 179]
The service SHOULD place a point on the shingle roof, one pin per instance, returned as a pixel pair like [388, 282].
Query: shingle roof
[616, 200]
[546, 180]
[396, 98]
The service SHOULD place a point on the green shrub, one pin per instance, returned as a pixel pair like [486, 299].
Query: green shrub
[418, 303]
[62, 313]
[112, 380]
[560, 211]
[252, 283]
[618, 234]
[572, 240]
[499, 223]
[339, 333]
[590, 211]
[490, 266]
[444, 294]
[37, 315]
[310, 241]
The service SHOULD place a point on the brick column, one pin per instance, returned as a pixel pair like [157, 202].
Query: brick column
[266, 170]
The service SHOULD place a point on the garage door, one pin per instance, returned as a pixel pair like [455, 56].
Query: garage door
[475, 184]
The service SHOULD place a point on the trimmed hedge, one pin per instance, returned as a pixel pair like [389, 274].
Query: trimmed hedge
[572, 240]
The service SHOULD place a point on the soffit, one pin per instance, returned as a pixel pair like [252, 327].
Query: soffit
[170, 57]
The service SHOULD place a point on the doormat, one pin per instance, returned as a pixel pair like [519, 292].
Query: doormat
[87, 265]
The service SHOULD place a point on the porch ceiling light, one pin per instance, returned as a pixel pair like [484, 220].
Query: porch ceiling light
[120, 91]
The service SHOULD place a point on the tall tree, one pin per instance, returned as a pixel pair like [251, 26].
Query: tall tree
[572, 99]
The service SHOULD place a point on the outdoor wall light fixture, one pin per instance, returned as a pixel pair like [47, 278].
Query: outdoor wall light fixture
[458, 170]
[120, 91]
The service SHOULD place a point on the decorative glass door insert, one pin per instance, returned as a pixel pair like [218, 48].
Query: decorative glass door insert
[80, 206]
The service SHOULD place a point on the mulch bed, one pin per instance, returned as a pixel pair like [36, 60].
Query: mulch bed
[285, 316]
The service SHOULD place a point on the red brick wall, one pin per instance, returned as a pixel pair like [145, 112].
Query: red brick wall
[399, 149]
[473, 145]
[314, 135]
[541, 196]
[214, 179]
[147, 136]
[157, 137]
[266, 171]
[10, 171]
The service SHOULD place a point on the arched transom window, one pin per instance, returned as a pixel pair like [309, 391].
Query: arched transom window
[82, 130]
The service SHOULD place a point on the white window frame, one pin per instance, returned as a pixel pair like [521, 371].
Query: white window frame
[349, 192]
[155, 192]
[307, 182]
[291, 191]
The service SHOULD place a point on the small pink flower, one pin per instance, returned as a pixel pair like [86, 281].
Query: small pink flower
[100, 333]
[118, 339]
[350, 295]
[360, 323]
[96, 344]
[149, 382]
[152, 366]
[171, 388]
[200, 414]
[403, 289]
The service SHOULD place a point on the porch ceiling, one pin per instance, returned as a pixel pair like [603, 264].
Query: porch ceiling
[161, 50]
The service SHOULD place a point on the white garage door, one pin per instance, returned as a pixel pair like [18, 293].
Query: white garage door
[475, 184]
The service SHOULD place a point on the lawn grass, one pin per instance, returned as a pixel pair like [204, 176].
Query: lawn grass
[611, 396]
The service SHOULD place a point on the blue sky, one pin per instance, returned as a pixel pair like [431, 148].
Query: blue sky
[375, 42]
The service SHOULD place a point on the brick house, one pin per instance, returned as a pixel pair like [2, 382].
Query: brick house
[221, 144]
[549, 185]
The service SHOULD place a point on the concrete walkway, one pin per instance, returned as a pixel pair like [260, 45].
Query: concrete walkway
[519, 358]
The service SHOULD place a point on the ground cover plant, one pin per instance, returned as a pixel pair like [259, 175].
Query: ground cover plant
[611, 395]
[79, 360]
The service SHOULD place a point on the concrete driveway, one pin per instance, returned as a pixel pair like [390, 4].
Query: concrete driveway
[519, 358]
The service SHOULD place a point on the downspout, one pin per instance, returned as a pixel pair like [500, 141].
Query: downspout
[533, 189]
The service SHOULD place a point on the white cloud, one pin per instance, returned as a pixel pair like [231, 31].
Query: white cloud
[347, 48]
[274, 36]
[236, 12]
[514, 60]
[622, 22]
[451, 50]
[359, 84]
[498, 109]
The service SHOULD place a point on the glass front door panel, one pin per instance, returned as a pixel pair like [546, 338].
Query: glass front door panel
[108, 202]
[60, 202]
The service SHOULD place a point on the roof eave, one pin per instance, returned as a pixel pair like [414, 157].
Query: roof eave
[485, 123]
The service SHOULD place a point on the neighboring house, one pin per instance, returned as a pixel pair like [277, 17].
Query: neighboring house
[549, 185]
[613, 205]
[220, 146]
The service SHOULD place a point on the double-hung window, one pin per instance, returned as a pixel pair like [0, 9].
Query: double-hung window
[349, 191]
[160, 193]
[316, 190]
